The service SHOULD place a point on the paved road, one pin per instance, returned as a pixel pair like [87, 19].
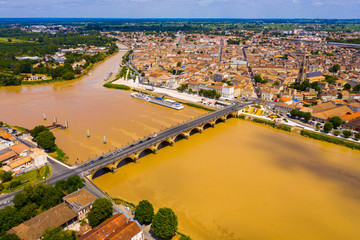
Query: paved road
[64, 173]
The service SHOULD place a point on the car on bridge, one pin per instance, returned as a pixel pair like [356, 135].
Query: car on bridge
[120, 150]
[101, 157]
[91, 162]
[131, 145]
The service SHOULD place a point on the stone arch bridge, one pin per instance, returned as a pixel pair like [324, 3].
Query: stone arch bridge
[169, 137]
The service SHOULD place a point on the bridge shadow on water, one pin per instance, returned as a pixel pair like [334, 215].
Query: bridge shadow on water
[101, 172]
[163, 144]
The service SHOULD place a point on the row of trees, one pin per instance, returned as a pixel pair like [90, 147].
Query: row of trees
[304, 85]
[336, 122]
[9, 80]
[209, 93]
[299, 114]
[164, 223]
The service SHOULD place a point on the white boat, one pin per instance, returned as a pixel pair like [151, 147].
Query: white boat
[164, 102]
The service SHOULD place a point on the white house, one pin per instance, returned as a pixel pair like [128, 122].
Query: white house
[227, 92]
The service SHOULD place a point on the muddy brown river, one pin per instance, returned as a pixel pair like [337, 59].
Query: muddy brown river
[87, 105]
[243, 180]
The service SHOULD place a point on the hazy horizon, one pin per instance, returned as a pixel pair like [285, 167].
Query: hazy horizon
[136, 9]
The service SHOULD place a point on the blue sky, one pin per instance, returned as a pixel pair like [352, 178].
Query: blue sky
[181, 8]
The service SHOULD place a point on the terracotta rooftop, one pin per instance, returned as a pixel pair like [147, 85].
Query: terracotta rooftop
[18, 162]
[338, 111]
[323, 107]
[117, 227]
[7, 155]
[79, 199]
[19, 148]
[352, 116]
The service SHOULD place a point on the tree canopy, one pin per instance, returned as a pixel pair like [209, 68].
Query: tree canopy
[58, 233]
[328, 127]
[100, 211]
[6, 176]
[165, 223]
[336, 121]
[144, 212]
[46, 139]
[38, 129]
[9, 217]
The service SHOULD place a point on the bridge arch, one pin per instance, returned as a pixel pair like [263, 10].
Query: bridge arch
[207, 125]
[194, 130]
[163, 144]
[219, 120]
[180, 137]
[101, 172]
[230, 115]
[124, 161]
[145, 152]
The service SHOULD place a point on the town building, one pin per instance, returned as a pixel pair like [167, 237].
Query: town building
[117, 227]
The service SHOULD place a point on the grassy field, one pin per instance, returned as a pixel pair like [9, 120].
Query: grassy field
[31, 177]
[59, 155]
[13, 40]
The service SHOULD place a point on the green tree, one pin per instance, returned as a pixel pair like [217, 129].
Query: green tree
[347, 133]
[165, 223]
[28, 211]
[52, 197]
[14, 184]
[356, 88]
[294, 112]
[100, 211]
[9, 218]
[357, 136]
[46, 139]
[6, 176]
[347, 86]
[21, 199]
[1, 123]
[328, 127]
[58, 233]
[336, 121]
[144, 212]
[335, 68]
[9, 236]
[258, 79]
[307, 116]
[178, 64]
[336, 132]
[38, 129]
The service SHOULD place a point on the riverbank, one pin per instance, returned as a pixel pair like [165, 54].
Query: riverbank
[303, 132]
[122, 85]
[86, 71]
